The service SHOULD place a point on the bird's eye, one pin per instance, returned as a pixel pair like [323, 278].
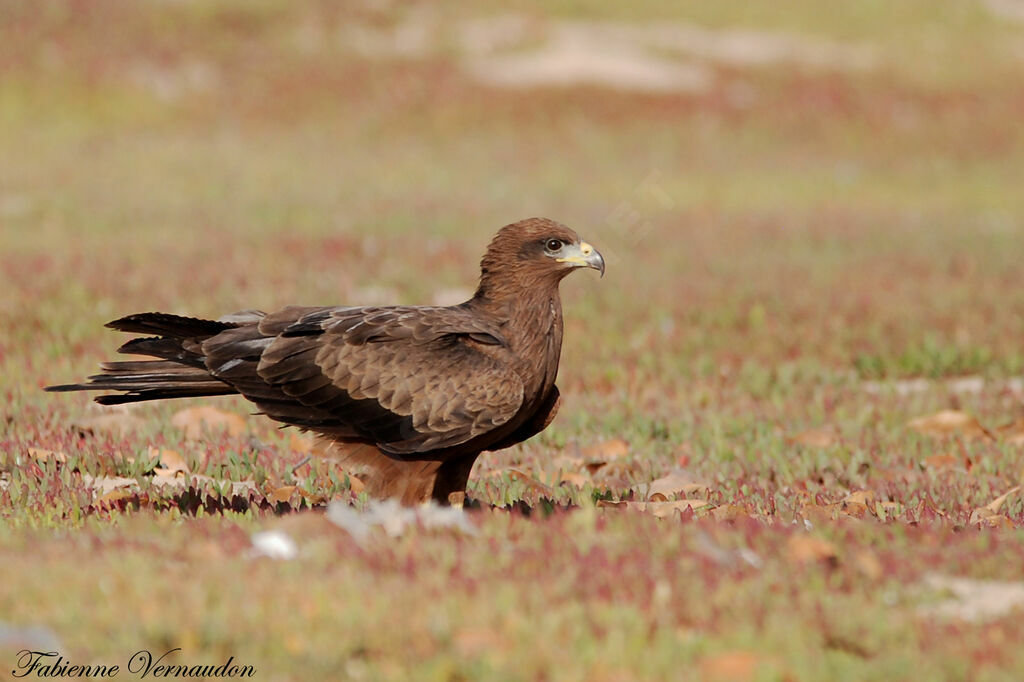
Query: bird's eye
[553, 245]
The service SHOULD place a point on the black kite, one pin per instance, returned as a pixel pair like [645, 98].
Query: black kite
[413, 394]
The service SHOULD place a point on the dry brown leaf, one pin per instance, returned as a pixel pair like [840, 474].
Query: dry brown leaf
[171, 462]
[314, 498]
[356, 484]
[670, 485]
[729, 512]
[868, 564]
[104, 484]
[609, 449]
[997, 521]
[944, 461]
[733, 666]
[997, 503]
[41, 455]
[566, 462]
[476, 641]
[599, 454]
[194, 420]
[806, 549]
[282, 494]
[949, 422]
[195, 480]
[816, 514]
[658, 509]
[573, 478]
[662, 509]
[857, 510]
[1013, 432]
[989, 513]
[112, 497]
[116, 423]
[619, 474]
[530, 482]
[816, 438]
[300, 444]
[865, 497]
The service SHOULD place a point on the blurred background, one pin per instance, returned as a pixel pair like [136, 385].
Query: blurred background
[813, 219]
[777, 187]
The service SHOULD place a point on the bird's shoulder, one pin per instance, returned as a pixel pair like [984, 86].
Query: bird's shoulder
[360, 325]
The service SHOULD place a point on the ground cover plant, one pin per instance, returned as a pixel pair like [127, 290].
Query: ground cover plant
[792, 439]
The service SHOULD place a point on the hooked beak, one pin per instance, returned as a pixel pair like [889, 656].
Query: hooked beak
[583, 255]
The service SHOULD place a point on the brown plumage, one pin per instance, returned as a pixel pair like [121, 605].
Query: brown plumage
[411, 394]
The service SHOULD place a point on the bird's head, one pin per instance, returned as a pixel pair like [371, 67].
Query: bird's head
[535, 252]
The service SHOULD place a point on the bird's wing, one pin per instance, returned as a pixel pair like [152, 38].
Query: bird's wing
[539, 421]
[410, 379]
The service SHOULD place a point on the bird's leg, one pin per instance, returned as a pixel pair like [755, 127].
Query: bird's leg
[451, 480]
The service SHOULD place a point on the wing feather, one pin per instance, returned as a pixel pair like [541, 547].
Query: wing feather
[403, 377]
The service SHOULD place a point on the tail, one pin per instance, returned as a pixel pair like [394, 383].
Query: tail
[180, 371]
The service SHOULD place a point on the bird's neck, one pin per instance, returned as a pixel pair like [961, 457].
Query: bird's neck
[530, 306]
[531, 322]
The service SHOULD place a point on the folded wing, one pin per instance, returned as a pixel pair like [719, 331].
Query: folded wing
[410, 380]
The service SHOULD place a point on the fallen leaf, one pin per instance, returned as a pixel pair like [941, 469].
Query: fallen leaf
[948, 422]
[171, 462]
[41, 455]
[991, 510]
[617, 474]
[282, 494]
[857, 510]
[112, 497]
[940, 461]
[807, 549]
[530, 482]
[474, 641]
[670, 485]
[116, 423]
[241, 488]
[104, 484]
[729, 512]
[658, 509]
[573, 478]
[600, 454]
[865, 497]
[663, 509]
[733, 666]
[1013, 432]
[609, 449]
[194, 420]
[314, 498]
[997, 521]
[815, 514]
[816, 438]
[868, 564]
[858, 503]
